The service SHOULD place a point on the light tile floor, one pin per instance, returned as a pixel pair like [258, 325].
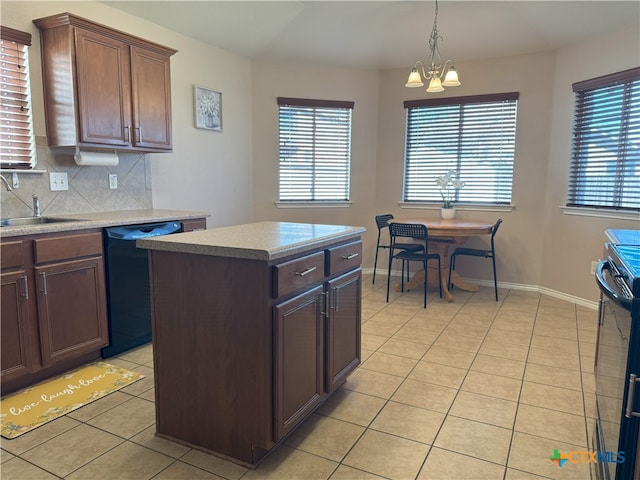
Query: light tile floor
[472, 389]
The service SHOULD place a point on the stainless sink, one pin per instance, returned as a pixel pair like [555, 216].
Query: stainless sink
[25, 221]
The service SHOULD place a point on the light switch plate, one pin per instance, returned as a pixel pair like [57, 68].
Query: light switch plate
[58, 181]
[113, 181]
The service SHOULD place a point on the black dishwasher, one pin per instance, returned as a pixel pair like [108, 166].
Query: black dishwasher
[128, 295]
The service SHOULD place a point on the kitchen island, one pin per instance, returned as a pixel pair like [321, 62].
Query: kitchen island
[254, 326]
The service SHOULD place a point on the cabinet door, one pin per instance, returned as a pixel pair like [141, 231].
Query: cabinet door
[71, 308]
[15, 334]
[104, 89]
[151, 90]
[343, 328]
[299, 357]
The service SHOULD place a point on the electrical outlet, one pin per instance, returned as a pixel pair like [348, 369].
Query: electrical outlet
[113, 181]
[58, 181]
[594, 265]
[15, 180]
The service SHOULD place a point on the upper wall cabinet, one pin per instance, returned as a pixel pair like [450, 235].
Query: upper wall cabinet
[104, 88]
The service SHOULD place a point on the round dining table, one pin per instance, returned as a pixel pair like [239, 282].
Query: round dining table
[442, 234]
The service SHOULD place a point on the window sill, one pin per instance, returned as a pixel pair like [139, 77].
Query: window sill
[600, 212]
[474, 208]
[313, 204]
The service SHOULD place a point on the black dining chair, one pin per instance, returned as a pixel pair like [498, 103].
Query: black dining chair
[382, 222]
[415, 231]
[477, 252]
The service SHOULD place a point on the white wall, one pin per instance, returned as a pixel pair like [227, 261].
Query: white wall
[207, 170]
[518, 240]
[271, 80]
[571, 243]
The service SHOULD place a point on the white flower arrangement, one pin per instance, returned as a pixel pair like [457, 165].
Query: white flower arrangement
[449, 184]
[209, 105]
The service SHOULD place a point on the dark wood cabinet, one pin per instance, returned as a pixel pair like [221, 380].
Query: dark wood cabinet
[298, 363]
[104, 88]
[343, 328]
[245, 349]
[16, 332]
[53, 305]
[71, 309]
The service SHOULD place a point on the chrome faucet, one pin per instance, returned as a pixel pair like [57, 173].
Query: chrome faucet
[6, 183]
[36, 205]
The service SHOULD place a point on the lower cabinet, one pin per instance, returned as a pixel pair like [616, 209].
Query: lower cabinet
[316, 346]
[71, 309]
[53, 305]
[299, 352]
[17, 329]
[245, 350]
[343, 328]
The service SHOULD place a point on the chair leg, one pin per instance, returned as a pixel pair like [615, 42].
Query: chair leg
[375, 263]
[495, 278]
[389, 272]
[424, 286]
[439, 277]
[402, 278]
[452, 266]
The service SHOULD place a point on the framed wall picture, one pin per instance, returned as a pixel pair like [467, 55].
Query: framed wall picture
[207, 108]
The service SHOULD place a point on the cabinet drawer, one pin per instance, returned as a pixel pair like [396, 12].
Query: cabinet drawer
[69, 246]
[11, 255]
[343, 258]
[297, 274]
[194, 224]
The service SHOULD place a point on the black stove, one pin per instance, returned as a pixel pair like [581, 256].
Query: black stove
[626, 259]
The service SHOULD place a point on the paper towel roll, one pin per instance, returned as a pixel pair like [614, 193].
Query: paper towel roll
[102, 159]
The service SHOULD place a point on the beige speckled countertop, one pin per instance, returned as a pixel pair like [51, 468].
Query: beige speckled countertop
[84, 221]
[255, 241]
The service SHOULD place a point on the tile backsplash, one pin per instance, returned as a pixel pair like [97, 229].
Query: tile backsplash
[88, 186]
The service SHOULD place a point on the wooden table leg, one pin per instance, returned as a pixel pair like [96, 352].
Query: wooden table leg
[442, 248]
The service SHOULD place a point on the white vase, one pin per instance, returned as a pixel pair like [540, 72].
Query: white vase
[447, 213]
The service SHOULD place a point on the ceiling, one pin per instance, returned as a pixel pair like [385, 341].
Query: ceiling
[385, 34]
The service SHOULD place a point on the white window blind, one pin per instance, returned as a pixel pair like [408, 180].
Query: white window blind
[473, 135]
[605, 160]
[17, 142]
[315, 150]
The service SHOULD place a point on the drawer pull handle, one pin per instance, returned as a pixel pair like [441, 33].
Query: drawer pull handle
[126, 134]
[306, 271]
[630, 394]
[351, 256]
[43, 276]
[26, 288]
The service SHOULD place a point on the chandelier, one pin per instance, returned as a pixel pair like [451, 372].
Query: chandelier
[436, 68]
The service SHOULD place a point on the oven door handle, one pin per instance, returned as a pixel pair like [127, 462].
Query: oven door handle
[605, 288]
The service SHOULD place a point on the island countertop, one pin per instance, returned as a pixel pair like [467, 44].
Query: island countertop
[256, 241]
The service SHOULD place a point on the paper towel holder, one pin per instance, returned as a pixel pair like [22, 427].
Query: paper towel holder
[96, 158]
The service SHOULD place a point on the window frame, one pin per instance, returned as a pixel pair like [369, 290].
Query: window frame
[304, 104]
[26, 156]
[429, 178]
[582, 195]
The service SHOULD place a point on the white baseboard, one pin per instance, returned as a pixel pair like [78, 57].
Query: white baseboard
[507, 285]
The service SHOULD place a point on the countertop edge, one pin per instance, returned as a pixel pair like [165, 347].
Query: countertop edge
[91, 220]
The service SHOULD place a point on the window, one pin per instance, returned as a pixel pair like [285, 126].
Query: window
[605, 159]
[473, 135]
[315, 150]
[17, 143]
